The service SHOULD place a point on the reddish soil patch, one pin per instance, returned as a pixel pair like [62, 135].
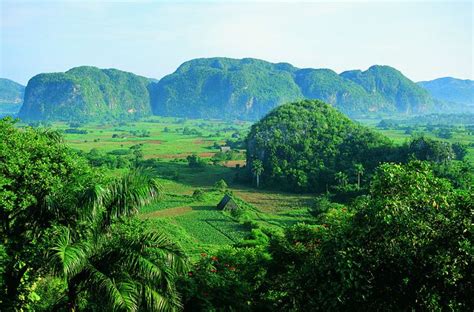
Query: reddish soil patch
[178, 156]
[233, 163]
[208, 154]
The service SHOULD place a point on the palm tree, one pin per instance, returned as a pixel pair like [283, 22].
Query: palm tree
[257, 169]
[359, 169]
[341, 178]
[117, 261]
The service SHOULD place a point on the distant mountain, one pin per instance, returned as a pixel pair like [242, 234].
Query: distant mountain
[396, 90]
[249, 88]
[225, 88]
[11, 97]
[455, 91]
[85, 93]
[221, 88]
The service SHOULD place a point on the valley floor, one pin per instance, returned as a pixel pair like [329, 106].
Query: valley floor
[197, 222]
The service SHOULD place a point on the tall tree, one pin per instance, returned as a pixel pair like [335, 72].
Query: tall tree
[129, 265]
[40, 183]
[359, 169]
[341, 178]
[257, 169]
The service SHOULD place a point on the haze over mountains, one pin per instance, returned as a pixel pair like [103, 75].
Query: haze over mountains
[454, 91]
[227, 88]
[11, 96]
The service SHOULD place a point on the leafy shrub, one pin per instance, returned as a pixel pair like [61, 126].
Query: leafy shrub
[221, 185]
[194, 161]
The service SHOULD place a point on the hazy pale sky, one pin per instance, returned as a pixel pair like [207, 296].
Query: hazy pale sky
[423, 39]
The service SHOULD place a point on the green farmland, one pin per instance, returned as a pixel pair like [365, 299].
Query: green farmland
[196, 222]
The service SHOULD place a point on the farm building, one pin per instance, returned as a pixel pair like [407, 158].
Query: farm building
[225, 149]
[227, 203]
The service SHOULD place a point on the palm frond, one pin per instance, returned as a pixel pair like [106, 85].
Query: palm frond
[53, 135]
[92, 200]
[125, 195]
[119, 295]
[155, 301]
[68, 258]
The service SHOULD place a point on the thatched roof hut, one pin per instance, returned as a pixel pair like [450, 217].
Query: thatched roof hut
[227, 203]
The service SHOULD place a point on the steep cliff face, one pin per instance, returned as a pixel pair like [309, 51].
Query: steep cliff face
[328, 86]
[84, 93]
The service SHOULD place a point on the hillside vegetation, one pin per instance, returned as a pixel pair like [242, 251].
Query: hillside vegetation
[303, 145]
[249, 88]
[85, 93]
[223, 88]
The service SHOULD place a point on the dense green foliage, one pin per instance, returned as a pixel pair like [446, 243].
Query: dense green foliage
[11, 96]
[71, 240]
[303, 146]
[61, 218]
[431, 119]
[459, 93]
[40, 180]
[405, 246]
[249, 88]
[408, 245]
[85, 93]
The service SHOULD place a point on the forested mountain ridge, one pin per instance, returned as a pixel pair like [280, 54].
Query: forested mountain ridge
[11, 96]
[249, 88]
[86, 93]
[222, 88]
[459, 92]
[394, 89]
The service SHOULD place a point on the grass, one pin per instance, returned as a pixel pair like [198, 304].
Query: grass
[165, 141]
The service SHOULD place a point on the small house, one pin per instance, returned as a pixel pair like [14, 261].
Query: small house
[227, 203]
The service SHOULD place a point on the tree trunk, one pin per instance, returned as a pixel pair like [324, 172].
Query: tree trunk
[12, 278]
[258, 180]
[358, 181]
[72, 298]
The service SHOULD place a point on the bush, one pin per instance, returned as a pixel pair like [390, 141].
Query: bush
[221, 185]
[198, 194]
[194, 161]
[75, 131]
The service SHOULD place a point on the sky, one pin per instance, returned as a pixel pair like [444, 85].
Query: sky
[423, 39]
